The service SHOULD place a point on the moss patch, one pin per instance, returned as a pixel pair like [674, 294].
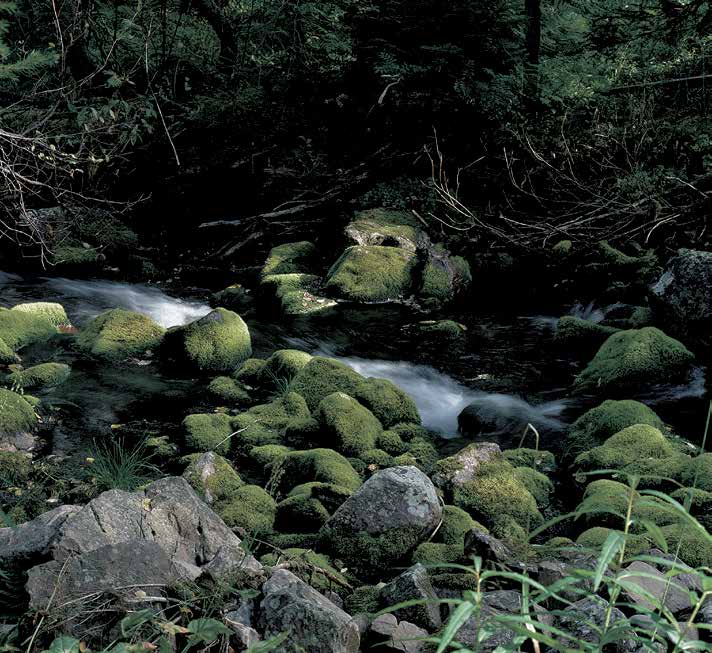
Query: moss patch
[456, 523]
[290, 258]
[50, 311]
[582, 335]
[542, 461]
[539, 485]
[20, 328]
[227, 389]
[16, 414]
[212, 477]
[387, 402]
[250, 509]
[119, 334]
[322, 377]
[632, 444]
[284, 364]
[323, 465]
[39, 377]
[208, 432]
[267, 423]
[348, 426]
[300, 514]
[15, 468]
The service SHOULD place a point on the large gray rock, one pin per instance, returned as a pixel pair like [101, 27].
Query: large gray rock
[458, 469]
[312, 622]
[585, 619]
[652, 583]
[388, 516]
[682, 297]
[414, 584]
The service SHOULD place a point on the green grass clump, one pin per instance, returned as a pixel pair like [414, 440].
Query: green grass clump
[347, 426]
[208, 432]
[290, 258]
[20, 328]
[372, 274]
[323, 465]
[118, 466]
[212, 477]
[629, 446]
[227, 389]
[387, 402]
[251, 509]
[51, 311]
[39, 377]
[322, 377]
[16, 414]
[629, 359]
[119, 334]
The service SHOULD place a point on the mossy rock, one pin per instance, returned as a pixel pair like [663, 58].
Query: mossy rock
[118, 334]
[387, 402]
[594, 538]
[439, 330]
[16, 414]
[313, 568]
[391, 443]
[218, 342]
[632, 359]
[698, 471]
[284, 365]
[421, 452]
[372, 274]
[250, 372]
[290, 258]
[21, 328]
[322, 377]
[300, 514]
[293, 540]
[376, 459]
[538, 484]
[40, 377]
[208, 432]
[514, 536]
[496, 491]
[323, 465]
[542, 461]
[76, 256]
[442, 277]
[595, 426]
[432, 554]
[234, 298]
[226, 389]
[348, 427]
[267, 423]
[563, 248]
[694, 548]
[267, 455]
[584, 336]
[331, 496]
[161, 448]
[410, 432]
[640, 268]
[52, 312]
[251, 509]
[212, 477]
[387, 227]
[456, 523]
[296, 293]
[15, 469]
[363, 600]
[7, 356]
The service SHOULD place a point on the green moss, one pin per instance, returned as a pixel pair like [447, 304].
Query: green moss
[291, 540]
[441, 330]
[539, 485]
[208, 432]
[16, 414]
[432, 554]
[331, 496]
[284, 364]
[19, 328]
[542, 461]
[456, 523]
[436, 287]
[161, 448]
[44, 375]
[227, 389]
[583, 335]
[250, 372]
[563, 248]
[215, 479]
[391, 443]
[268, 454]
[323, 465]
[495, 491]
[510, 531]
[119, 334]
[348, 426]
[218, 342]
[300, 514]
[50, 311]
[386, 227]
[267, 423]
[313, 568]
[290, 258]
[7, 356]
[423, 453]
[559, 542]
[642, 316]
[371, 274]
[409, 432]
[364, 599]
[376, 459]
[639, 267]
[594, 538]
[15, 468]
[632, 444]
[234, 298]
[250, 509]
[322, 377]
[458, 582]
[629, 359]
[658, 473]
[387, 402]
[698, 471]
[694, 548]
[610, 417]
[74, 256]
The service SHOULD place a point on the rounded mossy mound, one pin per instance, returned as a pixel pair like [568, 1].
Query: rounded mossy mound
[7, 356]
[50, 311]
[538, 484]
[283, 365]
[250, 372]
[320, 465]
[208, 432]
[118, 334]
[387, 402]
[225, 388]
[250, 509]
[212, 477]
[372, 274]
[456, 523]
[16, 414]
[632, 359]
[582, 335]
[388, 227]
[432, 331]
[538, 459]
[348, 426]
[21, 328]
[267, 423]
[290, 258]
[694, 549]
[40, 377]
[321, 377]
[595, 426]
[217, 342]
[300, 514]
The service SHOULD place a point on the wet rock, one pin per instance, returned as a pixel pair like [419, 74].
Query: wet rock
[456, 470]
[311, 621]
[388, 516]
[414, 584]
[483, 545]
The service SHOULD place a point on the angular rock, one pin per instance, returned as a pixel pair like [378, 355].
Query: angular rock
[584, 620]
[494, 604]
[483, 545]
[462, 466]
[414, 584]
[653, 583]
[407, 637]
[311, 621]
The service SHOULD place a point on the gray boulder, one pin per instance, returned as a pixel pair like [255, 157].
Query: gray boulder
[494, 604]
[458, 469]
[387, 517]
[682, 297]
[585, 620]
[654, 584]
[312, 622]
[414, 584]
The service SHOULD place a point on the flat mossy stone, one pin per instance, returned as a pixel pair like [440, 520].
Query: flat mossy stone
[50, 311]
[40, 377]
[250, 509]
[217, 342]
[16, 414]
[208, 432]
[596, 425]
[323, 465]
[290, 257]
[119, 334]
[321, 377]
[629, 360]
[387, 402]
[372, 274]
[347, 426]
[212, 477]
[21, 328]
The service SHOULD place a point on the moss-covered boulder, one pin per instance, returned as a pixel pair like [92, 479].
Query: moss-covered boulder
[329, 495]
[437, 331]
[538, 484]
[372, 274]
[632, 359]
[290, 258]
[387, 402]
[50, 311]
[693, 547]
[300, 514]
[21, 328]
[295, 293]
[119, 334]
[217, 342]
[348, 426]
[542, 461]
[250, 509]
[283, 365]
[267, 423]
[212, 477]
[267, 455]
[322, 465]
[580, 335]
[234, 298]
[208, 432]
[321, 377]
[225, 388]
[387, 227]
[697, 472]
[7, 356]
[594, 538]
[250, 372]
[40, 377]
[443, 276]
[17, 421]
[456, 523]
[595, 426]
